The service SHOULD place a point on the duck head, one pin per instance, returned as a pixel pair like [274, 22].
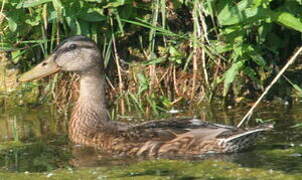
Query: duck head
[76, 54]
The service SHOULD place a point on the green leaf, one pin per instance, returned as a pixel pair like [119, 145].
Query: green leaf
[32, 3]
[165, 101]
[16, 55]
[143, 83]
[97, 1]
[6, 47]
[128, 12]
[257, 58]
[298, 125]
[160, 30]
[221, 47]
[90, 14]
[230, 75]
[12, 25]
[263, 31]
[34, 20]
[257, 3]
[288, 20]
[74, 25]
[295, 86]
[298, 89]
[251, 73]
[93, 17]
[154, 61]
[235, 34]
[57, 4]
[175, 55]
[136, 101]
[84, 28]
[115, 3]
[243, 12]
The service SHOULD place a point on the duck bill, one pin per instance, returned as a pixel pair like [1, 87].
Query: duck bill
[45, 68]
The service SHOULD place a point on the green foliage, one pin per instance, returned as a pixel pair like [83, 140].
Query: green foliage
[248, 27]
[230, 75]
[215, 41]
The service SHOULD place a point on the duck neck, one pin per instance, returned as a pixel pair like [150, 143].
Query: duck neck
[92, 93]
[90, 114]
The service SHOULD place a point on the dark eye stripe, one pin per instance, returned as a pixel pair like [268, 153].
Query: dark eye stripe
[78, 38]
[72, 46]
[86, 46]
[59, 51]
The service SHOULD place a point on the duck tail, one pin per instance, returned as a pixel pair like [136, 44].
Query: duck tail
[245, 139]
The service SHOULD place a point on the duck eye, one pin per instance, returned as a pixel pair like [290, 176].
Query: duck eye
[72, 46]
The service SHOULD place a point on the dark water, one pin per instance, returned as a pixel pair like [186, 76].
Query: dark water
[34, 145]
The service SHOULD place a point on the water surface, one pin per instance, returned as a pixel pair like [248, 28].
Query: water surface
[34, 145]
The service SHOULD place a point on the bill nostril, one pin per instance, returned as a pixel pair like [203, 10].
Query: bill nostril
[44, 64]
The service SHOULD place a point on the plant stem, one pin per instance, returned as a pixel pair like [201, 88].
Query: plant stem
[250, 112]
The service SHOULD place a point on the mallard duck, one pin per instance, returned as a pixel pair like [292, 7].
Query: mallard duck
[90, 124]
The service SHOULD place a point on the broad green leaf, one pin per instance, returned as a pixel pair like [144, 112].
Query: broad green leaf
[257, 58]
[52, 16]
[93, 17]
[74, 25]
[230, 75]
[32, 3]
[128, 12]
[178, 3]
[263, 32]
[12, 25]
[16, 55]
[33, 21]
[221, 47]
[115, 3]
[85, 27]
[155, 61]
[175, 55]
[243, 12]
[288, 20]
[257, 3]
[208, 7]
[234, 33]
[174, 52]
[57, 4]
[165, 101]
[292, 7]
[251, 73]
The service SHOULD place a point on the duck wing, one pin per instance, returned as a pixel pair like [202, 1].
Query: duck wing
[190, 137]
[181, 123]
[164, 130]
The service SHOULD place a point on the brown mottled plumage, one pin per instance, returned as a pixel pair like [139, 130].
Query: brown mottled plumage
[91, 126]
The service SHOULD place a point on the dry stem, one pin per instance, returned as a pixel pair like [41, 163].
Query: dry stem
[250, 112]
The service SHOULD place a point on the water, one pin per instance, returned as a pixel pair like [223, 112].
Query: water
[34, 145]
